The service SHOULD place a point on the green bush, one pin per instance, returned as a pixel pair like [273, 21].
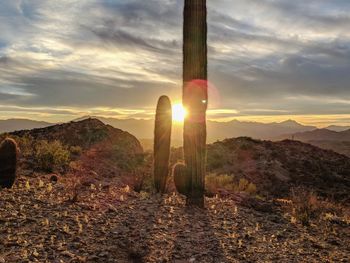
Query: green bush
[50, 156]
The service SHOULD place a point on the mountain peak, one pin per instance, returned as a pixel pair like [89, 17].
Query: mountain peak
[290, 122]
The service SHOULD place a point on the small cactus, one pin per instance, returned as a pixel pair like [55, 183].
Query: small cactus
[181, 179]
[8, 162]
[162, 138]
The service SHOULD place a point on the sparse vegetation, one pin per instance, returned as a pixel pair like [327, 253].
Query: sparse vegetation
[216, 184]
[124, 159]
[51, 155]
[305, 204]
[108, 188]
[75, 150]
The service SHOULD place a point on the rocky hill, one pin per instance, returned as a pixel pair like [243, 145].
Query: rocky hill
[88, 215]
[87, 146]
[342, 147]
[83, 133]
[275, 167]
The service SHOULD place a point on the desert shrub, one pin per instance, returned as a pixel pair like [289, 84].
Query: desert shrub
[51, 155]
[125, 160]
[142, 181]
[243, 184]
[305, 205]
[215, 183]
[75, 150]
[25, 144]
[139, 180]
[140, 176]
[217, 156]
[251, 189]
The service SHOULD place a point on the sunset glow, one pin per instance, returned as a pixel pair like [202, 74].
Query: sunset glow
[179, 113]
[53, 69]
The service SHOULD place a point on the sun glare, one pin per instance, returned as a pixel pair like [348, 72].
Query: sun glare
[179, 112]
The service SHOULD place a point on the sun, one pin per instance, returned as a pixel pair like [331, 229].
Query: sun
[179, 112]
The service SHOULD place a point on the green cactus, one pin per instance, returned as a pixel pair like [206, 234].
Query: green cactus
[8, 162]
[181, 179]
[195, 96]
[162, 137]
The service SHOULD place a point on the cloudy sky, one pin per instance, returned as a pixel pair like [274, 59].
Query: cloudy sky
[269, 60]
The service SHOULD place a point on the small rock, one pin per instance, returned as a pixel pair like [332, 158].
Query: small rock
[53, 178]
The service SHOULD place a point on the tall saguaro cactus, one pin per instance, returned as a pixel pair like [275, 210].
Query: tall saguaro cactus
[195, 96]
[162, 136]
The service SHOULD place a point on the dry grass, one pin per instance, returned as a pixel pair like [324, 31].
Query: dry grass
[305, 207]
[214, 184]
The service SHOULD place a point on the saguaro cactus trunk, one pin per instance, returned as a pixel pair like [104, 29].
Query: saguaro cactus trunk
[195, 96]
[162, 136]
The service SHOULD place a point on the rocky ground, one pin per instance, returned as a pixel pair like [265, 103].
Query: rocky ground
[48, 221]
[276, 167]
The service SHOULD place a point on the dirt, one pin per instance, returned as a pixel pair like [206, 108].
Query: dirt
[107, 222]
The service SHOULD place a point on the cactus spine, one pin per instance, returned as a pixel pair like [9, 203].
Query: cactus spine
[8, 162]
[162, 136]
[195, 96]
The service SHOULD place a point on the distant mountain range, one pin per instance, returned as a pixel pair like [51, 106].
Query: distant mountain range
[337, 128]
[143, 130]
[320, 135]
[11, 125]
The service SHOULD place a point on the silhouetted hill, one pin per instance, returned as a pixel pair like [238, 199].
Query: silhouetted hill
[319, 135]
[275, 167]
[337, 128]
[83, 133]
[223, 130]
[11, 125]
[324, 138]
[342, 147]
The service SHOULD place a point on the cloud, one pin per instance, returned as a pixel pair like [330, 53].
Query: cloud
[271, 57]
